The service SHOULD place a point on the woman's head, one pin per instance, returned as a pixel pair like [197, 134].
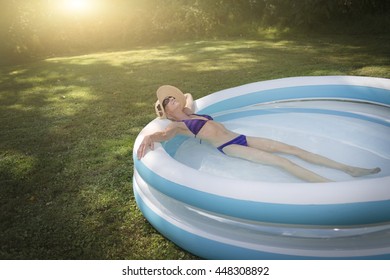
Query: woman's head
[169, 98]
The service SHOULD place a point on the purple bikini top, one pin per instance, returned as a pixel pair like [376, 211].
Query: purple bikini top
[195, 125]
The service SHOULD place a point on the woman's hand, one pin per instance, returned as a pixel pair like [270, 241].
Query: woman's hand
[147, 143]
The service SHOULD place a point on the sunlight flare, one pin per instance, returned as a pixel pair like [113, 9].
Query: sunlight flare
[78, 5]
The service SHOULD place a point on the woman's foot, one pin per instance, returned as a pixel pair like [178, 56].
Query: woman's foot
[358, 172]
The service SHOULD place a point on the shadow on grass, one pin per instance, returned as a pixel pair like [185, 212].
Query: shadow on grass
[65, 161]
[68, 125]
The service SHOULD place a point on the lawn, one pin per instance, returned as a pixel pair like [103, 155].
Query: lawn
[68, 125]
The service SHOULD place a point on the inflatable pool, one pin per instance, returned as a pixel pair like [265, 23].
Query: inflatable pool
[218, 207]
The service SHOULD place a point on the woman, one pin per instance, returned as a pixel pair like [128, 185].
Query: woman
[178, 107]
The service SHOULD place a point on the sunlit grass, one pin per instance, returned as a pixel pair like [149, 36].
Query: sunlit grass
[123, 58]
[380, 71]
[17, 164]
[68, 125]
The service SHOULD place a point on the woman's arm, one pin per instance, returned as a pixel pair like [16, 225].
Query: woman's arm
[189, 108]
[160, 136]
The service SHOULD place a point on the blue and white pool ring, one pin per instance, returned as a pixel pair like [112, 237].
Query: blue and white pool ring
[223, 218]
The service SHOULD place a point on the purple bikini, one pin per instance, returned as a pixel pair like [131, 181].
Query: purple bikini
[195, 125]
[239, 140]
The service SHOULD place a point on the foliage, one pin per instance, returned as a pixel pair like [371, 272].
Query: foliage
[309, 13]
[37, 28]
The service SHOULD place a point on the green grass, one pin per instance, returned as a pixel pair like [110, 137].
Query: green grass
[68, 125]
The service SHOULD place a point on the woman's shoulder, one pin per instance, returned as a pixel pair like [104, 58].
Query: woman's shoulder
[179, 127]
[175, 125]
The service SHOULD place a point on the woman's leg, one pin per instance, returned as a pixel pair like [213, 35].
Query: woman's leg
[272, 146]
[259, 156]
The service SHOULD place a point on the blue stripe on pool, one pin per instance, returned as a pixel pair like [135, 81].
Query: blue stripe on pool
[349, 92]
[249, 113]
[332, 214]
[212, 249]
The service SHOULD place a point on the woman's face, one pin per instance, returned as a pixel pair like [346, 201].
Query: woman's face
[170, 104]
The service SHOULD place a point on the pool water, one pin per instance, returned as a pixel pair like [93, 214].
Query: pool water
[353, 133]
